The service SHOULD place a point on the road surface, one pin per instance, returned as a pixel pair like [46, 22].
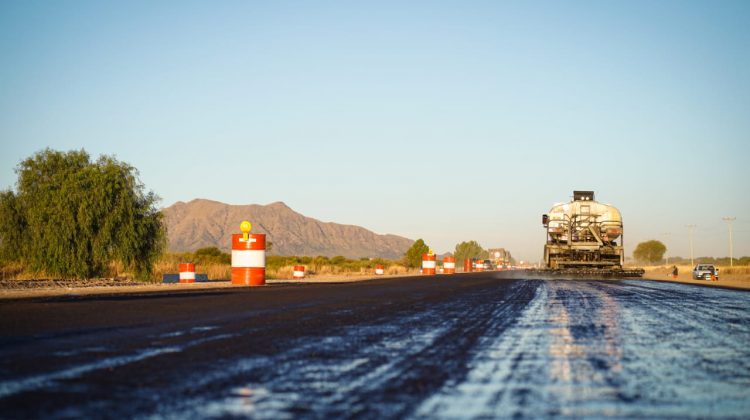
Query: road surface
[464, 346]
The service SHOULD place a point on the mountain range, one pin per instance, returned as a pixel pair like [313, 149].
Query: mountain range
[204, 223]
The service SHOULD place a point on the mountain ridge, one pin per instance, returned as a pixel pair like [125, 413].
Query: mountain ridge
[203, 222]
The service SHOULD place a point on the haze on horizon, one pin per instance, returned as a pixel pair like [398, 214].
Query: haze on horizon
[434, 120]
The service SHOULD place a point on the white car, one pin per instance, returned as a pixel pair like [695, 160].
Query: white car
[705, 271]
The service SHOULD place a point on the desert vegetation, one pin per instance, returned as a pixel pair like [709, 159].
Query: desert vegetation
[217, 264]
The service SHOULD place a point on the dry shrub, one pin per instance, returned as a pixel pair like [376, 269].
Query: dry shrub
[742, 270]
[395, 270]
[216, 271]
[170, 264]
[284, 272]
[287, 271]
[16, 271]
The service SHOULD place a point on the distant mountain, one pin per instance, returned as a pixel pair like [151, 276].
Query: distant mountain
[203, 223]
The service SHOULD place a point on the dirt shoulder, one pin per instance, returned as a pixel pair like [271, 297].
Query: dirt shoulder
[728, 281]
[24, 293]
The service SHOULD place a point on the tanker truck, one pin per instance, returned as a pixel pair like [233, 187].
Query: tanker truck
[585, 237]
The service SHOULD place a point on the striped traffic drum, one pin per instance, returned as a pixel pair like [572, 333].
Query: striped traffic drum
[187, 273]
[449, 265]
[249, 259]
[428, 264]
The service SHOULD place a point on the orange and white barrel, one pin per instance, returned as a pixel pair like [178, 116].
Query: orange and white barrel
[187, 273]
[379, 270]
[428, 264]
[479, 266]
[449, 265]
[249, 259]
[467, 265]
[299, 272]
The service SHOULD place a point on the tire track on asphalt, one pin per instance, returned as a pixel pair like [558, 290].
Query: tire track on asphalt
[622, 349]
[376, 370]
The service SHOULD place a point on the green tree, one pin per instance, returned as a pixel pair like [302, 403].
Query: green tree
[650, 251]
[413, 255]
[72, 217]
[470, 249]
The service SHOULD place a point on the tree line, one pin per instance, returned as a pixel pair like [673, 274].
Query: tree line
[71, 216]
[463, 250]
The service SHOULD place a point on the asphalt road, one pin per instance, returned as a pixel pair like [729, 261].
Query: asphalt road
[463, 346]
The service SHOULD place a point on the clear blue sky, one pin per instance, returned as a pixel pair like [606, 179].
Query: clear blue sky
[448, 121]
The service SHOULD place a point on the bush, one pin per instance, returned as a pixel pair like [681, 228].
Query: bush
[73, 217]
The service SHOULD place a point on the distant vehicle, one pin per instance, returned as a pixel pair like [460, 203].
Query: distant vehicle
[705, 271]
[487, 265]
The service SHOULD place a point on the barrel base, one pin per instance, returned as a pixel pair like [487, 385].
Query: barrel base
[428, 271]
[248, 276]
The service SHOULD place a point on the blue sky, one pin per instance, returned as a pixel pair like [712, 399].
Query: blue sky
[448, 121]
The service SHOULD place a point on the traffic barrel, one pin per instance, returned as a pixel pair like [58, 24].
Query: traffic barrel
[467, 265]
[379, 270]
[299, 272]
[479, 266]
[428, 264]
[248, 257]
[449, 265]
[187, 273]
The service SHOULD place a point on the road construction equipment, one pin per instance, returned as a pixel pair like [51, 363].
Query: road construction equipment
[585, 237]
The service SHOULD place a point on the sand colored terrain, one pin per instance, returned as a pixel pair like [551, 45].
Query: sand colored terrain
[735, 278]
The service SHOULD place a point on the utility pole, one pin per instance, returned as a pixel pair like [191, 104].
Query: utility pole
[729, 221]
[691, 227]
[666, 254]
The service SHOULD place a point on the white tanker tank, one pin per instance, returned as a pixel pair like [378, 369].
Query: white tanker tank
[585, 235]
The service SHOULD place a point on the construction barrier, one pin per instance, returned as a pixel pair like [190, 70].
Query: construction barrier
[428, 264]
[449, 265]
[249, 259]
[379, 270]
[187, 273]
[299, 272]
[479, 266]
[467, 265]
[174, 278]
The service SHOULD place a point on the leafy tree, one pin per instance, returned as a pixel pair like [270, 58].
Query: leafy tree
[471, 249]
[413, 255]
[72, 217]
[650, 251]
